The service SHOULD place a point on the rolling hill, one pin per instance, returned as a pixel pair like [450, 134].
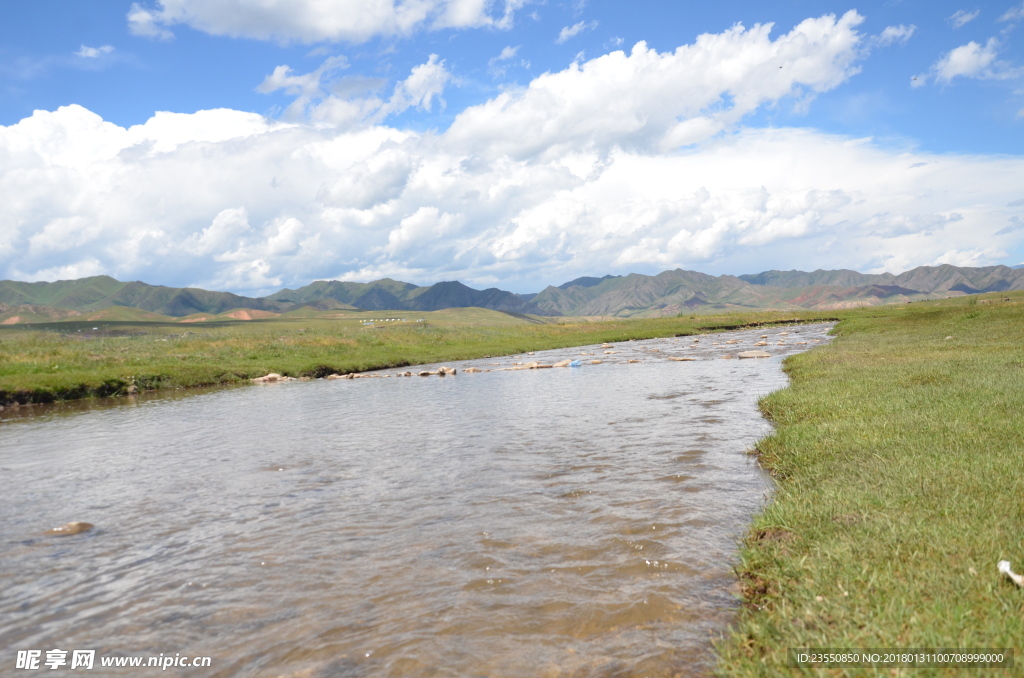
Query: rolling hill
[679, 291]
[667, 293]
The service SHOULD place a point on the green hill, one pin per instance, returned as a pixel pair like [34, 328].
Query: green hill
[390, 294]
[634, 295]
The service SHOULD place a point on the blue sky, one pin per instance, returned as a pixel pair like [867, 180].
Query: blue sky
[422, 140]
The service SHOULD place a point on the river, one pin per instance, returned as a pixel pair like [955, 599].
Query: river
[555, 522]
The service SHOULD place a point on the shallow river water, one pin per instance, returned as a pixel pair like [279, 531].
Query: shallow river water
[562, 522]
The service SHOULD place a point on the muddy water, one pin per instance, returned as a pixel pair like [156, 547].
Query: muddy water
[563, 522]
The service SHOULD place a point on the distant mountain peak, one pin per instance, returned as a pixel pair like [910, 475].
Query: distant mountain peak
[669, 292]
[586, 281]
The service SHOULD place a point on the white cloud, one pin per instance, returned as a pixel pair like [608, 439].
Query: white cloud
[507, 53]
[93, 52]
[310, 21]
[961, 17]
[146, 23]
[305, 88]
[425, 83]
[223, 235]
[1014, 13]
[521, 191]
[315, 100]
[80, 269]
[972, 257]
[646, 99]
[568, 32]
[972, 60]
[497, 65]
[894, 34]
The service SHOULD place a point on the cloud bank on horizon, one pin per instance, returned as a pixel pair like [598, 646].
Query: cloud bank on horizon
[635, 158]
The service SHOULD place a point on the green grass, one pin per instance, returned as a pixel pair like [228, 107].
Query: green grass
[68, 360]
[899, 452]
[899, 455]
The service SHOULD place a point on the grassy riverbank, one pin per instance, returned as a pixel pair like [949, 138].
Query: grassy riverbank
[899, 453]
[68, 360]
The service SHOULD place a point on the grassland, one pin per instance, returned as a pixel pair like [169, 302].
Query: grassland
[899, 454]
[899, 449]
[68, 360]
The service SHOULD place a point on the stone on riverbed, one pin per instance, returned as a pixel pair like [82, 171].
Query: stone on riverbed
[755, 354]
[271, 378]
[472, 369]
[66, 529]
[681, 359]
[562, 363]
[595, 362]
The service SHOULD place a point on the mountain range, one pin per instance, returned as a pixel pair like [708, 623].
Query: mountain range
[667, 293]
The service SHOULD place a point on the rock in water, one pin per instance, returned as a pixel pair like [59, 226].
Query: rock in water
[472, 369]
[755, 354]
[66, 529]
[562, 363]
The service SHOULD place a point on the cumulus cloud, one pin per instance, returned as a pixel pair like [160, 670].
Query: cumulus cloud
[658, 101]
[310, 21]
[93, 52]
[961, 17]
[523, 190]
[320, 97]
[972, 257]
[972, 60]
[147, 23]
[424, 85]
[306, 88]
